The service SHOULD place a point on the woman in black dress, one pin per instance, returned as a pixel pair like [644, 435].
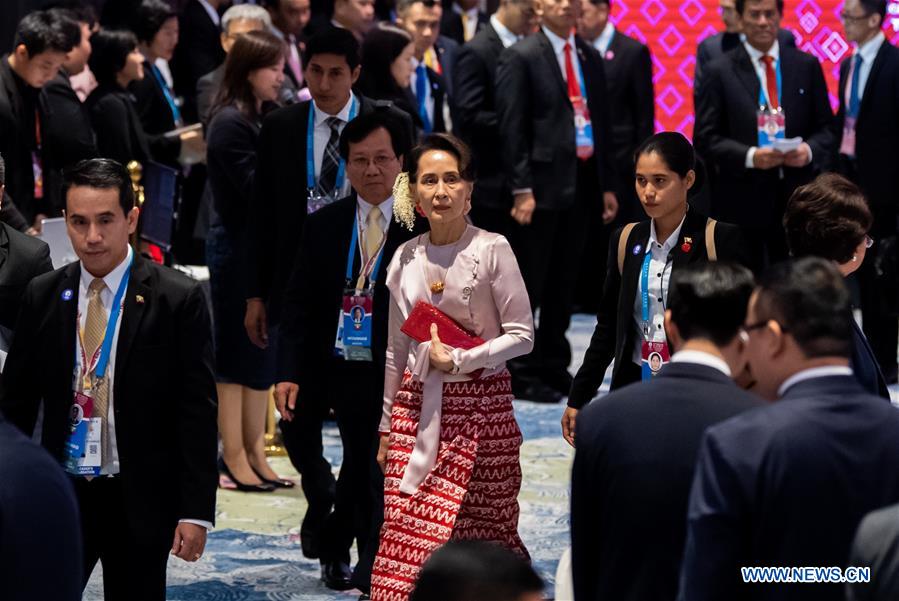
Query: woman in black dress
[254, 72]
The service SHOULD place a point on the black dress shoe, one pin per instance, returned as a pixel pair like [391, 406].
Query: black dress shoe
[336, 575]
[364, 597]
[264, 487]
[278, 483]
[540, 393]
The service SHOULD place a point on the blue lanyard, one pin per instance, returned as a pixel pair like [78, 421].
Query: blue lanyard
[580, 74]
[310, 151]
[762, 98]
[106, 347]
[354, 242]
[644, 284]
[176, 114]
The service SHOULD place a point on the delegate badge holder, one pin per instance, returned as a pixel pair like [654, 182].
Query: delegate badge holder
[847, 146]
[583, 128]
[315, 201]
[82, 450]
[772, 125]
[654, 356]
[354, 321]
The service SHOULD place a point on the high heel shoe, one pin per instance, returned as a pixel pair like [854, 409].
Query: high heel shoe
[264, 487]
[278, 483]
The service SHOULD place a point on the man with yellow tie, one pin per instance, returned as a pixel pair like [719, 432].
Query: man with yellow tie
[463, 20]
[119, 350]
[333, 335]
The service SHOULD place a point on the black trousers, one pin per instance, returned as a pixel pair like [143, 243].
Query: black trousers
[134, 561]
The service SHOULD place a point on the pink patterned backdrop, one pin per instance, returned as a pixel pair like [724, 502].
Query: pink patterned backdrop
[672, 30]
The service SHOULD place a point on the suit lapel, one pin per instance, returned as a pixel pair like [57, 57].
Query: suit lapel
[871, 83]
[789, 97]
[745, 72]
[550, 56]
[67, 314]
[691, 242]
[137, 297]
[635, 252]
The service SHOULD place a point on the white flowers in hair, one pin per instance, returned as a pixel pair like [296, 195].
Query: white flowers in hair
[403, 204]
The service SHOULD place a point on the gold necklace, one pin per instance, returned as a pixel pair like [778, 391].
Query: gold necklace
[438, 285]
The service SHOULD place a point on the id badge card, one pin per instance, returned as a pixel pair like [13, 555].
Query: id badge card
[583, 129]
[356, 325]
[83, 449]
[772, 125]
[847, 146]
[37, 171]
[315, 202]
[654, 356]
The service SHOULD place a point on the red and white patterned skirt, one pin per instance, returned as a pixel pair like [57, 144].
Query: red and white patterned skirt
[472, 491]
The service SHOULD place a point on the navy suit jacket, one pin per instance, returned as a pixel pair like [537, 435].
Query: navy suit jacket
[864, 365]
[787, 485]
[634, 447]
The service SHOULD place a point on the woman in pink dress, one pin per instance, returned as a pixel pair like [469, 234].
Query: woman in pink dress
[449, 439]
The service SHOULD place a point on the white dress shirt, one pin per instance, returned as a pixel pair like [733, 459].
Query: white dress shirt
[470, 23]
[323, 133]
[558, 45]
[660, 268]
[869, 51]
[429, 98]
[811, 374]
[605, 38]
[505, 36]
[702, 358]
[213, 14]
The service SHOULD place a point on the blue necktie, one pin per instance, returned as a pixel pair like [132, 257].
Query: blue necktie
[176, 114]
[854, 101]
[421, 90]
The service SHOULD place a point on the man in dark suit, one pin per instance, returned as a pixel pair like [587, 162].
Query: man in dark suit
[310, 371]
[618, 478]
[476, 121]
[282, 202]
[753, 179]
[289, 19]
[787, 484]
[553, 110]
[199, 50]
[43, 38]
[38, 518]
[22, 258]
[145, 475]
[67, 136]
[463, 20]
[867, 124]
[421, 18]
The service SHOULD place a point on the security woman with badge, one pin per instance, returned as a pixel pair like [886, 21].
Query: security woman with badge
[642, 257]
[333, 339]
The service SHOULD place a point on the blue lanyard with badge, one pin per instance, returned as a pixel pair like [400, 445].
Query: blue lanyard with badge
[653, 353]
[316, 197]
[583, 126]
[771, 121]
[354, 319]
[83, 449]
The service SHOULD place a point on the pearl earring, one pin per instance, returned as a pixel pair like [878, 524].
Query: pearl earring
[854, 258]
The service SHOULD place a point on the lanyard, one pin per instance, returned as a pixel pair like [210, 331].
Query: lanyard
[763, 89]
[644, 284]
[106, 347]
[176, 113]
[579, 72]
[310, 150]
[367, 269]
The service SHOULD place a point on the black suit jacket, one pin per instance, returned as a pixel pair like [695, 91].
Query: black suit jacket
[451, 25]
[476, 119]
[876, 131]
[155, 115]
[726, 128]
[309, 318]
[536, 121]
[864, 365]
[25, 258]
[613, 337]
[447, 50]
[279, 198]
[619, 477]
[437, 82]
[120, 133]
[164, 388]
[766, 480]
[207, 89]
[716, 46]
[17, 138]
[67, 136]
[199, 51]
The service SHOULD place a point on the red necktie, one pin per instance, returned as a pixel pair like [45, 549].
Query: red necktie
[574, 89]
[771, 79]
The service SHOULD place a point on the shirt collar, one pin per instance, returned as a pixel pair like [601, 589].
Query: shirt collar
[755, 54]
[668, 244]
[505, 36]
[557, 42]
[869, 49]
[472, 12]
[113, 278]
[344, 114]
[701, 358]
[366, 207]
[605, 38]
[813, 373]
[213, 14]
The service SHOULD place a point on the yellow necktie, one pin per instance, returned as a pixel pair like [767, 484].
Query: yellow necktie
[374, 235]
[94, 331]
[465, 35]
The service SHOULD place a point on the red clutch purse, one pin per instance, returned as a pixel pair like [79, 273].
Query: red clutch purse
[418, 327]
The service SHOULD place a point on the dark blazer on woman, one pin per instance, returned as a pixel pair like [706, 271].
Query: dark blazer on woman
[613, 337]
[231, 160]
[155, 113]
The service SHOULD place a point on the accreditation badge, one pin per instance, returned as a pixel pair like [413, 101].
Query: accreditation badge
[355, 326]
[847, 146]
[654, 355]
[83, 455]
[772, 124]
[583, 129]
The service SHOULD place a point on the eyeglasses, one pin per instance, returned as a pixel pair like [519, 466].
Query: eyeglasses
[761, 324]
[853, 18]
[869, 241]
[380, 162]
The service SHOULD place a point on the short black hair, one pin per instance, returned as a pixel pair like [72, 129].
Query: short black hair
[469, 570]
[334, 40]
[403, 5]
[598, 2]
[875, 7]
[709, 300]
[741, 4]
[811, 301]
[110, 52]
[362, 126]
[104, 174]
[46, 31]
[78, 10]
[447, 143]
[149, 18]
